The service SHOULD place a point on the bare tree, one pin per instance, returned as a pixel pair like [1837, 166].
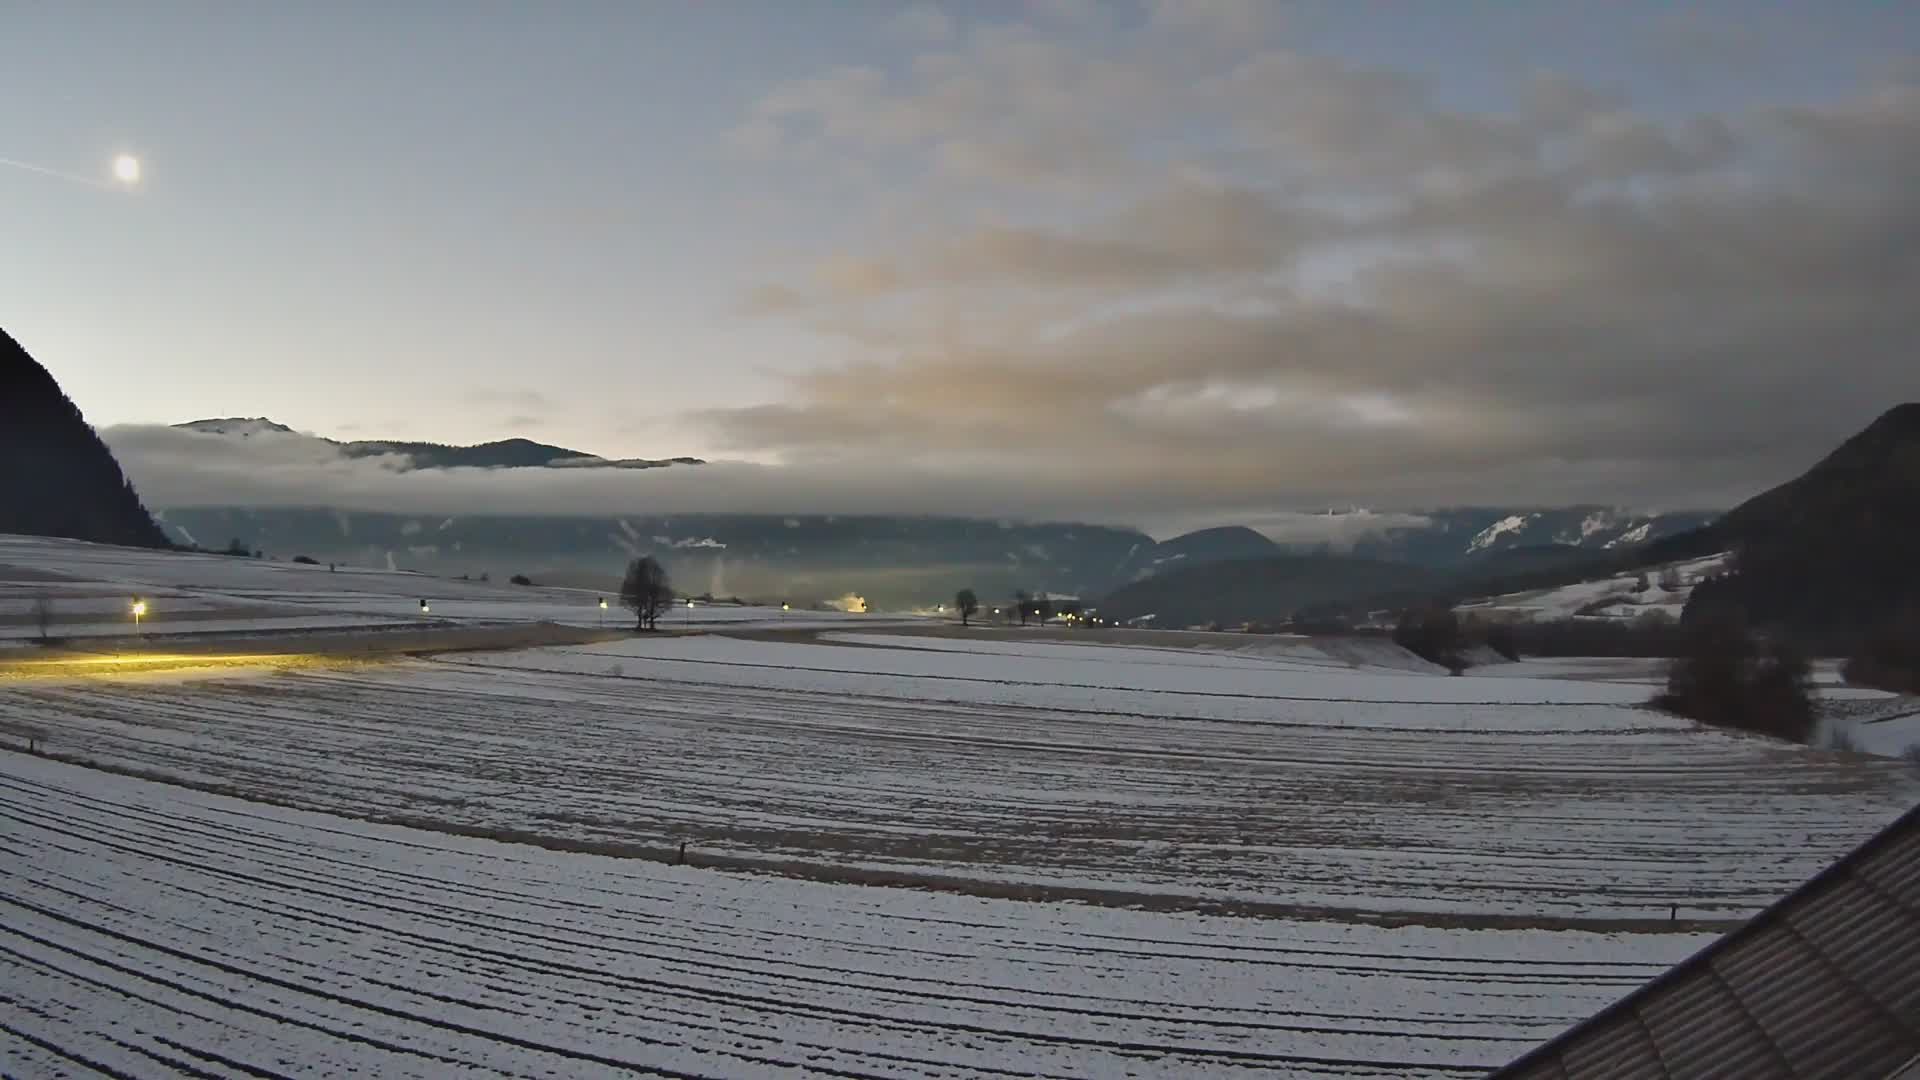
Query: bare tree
[967, 603]
[1023, 604]
[43, 615]
[646, 591]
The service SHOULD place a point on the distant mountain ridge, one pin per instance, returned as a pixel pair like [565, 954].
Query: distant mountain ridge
[1460, 534]
[1198, 548]
[56, 477]
[500, 454]
[898, 560]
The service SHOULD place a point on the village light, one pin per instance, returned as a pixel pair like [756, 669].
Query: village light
[424, 608]
[139, 608]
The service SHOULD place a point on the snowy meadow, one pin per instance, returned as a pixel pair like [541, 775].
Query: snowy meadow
[909, 849]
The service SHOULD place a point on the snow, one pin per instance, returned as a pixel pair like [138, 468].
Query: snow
[1635, 535]
[1258, 856]
[1569, 601]
[148, 925]
[1181, 776]
[1168, 682]
[1491, 535]
[1882, 724]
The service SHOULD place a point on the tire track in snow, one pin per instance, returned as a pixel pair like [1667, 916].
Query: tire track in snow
[171, 836]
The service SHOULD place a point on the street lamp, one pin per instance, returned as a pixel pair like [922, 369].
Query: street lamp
[424, 608]
[139, 609]
[603, 613]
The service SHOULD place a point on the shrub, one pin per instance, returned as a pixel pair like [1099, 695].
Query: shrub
[1433, 634]
[1728, 678]
[1501, 638]
[1889, 659]
[307, 560]
[520, 579]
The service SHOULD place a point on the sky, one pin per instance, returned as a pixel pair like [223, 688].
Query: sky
[1169, 259]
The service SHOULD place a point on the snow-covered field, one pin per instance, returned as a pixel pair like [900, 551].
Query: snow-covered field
[1619, 597]
[1174, 776]
[91, 588]
[157, 931]
[1274, 856]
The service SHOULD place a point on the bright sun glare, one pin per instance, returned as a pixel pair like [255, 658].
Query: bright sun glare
[126, 169]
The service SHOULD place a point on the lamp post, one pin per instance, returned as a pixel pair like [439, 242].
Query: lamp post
[424, 609]
[139, 608]
[603, 613]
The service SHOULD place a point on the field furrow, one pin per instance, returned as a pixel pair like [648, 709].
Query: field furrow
[153, 930]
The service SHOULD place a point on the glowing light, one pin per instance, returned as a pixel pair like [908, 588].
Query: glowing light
[126, 169]
[139, 608]
[603, 603]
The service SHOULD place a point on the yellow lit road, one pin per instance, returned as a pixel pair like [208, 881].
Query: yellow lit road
[66, 667]
[284, 651]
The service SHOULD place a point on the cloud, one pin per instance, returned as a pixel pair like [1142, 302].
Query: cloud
[770, 297]
[1068, 12]
[524, 398]
[1225, 19]
[176, 468]
[922, 22]
[1302, 281]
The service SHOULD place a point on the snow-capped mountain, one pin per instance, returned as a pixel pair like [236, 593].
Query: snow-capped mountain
[1459, 534]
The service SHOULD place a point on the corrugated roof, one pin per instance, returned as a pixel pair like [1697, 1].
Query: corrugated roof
[1825, 983]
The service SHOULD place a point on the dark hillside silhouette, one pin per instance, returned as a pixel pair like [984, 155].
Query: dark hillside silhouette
[1828, 557]
[56, 477]
[1271, 590]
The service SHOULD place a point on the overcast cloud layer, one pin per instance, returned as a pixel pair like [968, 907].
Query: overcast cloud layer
[1243, 276]
[1166, 265]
